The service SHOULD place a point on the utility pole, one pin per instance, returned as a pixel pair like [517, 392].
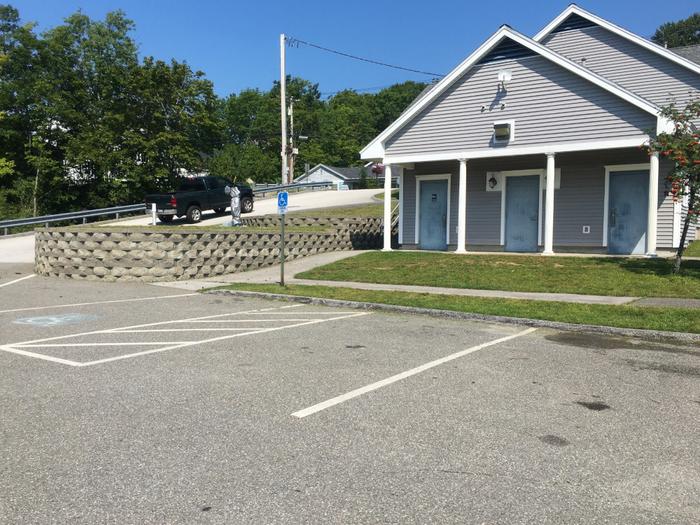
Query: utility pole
[292, 153]
[283, 107]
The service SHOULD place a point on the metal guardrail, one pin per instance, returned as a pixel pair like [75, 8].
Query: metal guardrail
[259, 189]
[270, 188]
[71, 216]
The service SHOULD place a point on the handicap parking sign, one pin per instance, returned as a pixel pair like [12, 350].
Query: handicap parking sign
[282, 201]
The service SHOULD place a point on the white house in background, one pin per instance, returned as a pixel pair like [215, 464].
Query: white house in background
[349, 176]
[535, 145]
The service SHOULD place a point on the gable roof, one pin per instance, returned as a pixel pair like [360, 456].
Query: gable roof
[692, 53]
[575, 16]
[345, 173]
[375, 148]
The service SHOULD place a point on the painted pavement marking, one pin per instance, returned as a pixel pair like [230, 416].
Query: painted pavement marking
[31, 308]
[49, 342]
[18, 280]
[403, 375]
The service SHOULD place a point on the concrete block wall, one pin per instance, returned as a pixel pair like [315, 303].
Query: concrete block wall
[167, 254]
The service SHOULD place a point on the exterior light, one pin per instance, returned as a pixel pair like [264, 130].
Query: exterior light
[492, 182]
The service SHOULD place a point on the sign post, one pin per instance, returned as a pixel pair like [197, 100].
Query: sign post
[282, 201]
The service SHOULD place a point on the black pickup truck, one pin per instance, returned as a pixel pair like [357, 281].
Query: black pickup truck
[196, 194]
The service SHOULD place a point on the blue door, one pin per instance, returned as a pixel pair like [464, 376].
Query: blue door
[628, 200]
[522, 213]
[433, 215]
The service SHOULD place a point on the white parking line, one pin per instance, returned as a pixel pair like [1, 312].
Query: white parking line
[188, 330]
[403, 375]
[158, 323]
[18, 280]
[31, 308]
[72, 345]
[278, 320]
[19, 348]
[214, 339]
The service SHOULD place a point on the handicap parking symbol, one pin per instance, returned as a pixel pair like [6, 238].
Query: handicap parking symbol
[282, 201]
[55, 320]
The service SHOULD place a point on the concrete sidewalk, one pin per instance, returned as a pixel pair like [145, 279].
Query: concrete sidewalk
[272, 275]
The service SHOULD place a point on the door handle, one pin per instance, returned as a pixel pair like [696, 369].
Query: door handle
[613, 217]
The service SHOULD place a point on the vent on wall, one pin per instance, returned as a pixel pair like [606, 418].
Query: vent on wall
[573, 21]
[507, 49]
[503, 131]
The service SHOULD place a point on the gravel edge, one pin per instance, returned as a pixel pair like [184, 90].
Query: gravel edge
[448, 314]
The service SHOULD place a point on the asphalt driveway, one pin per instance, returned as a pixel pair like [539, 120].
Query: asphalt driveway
[130, 403]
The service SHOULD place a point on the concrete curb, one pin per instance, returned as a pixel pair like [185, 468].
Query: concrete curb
[537, 323]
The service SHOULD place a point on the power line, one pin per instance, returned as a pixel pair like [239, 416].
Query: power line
[292, 41]
[357, 90]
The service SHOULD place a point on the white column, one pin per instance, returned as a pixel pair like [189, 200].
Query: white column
[462, 211]
[549, 207]
[387, 208]
[653, 204]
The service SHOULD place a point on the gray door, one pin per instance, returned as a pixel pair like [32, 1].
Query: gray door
[522, 213]
[628, 200]
[433, 215]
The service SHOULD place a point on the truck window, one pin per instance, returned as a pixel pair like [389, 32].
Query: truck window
[192, 185]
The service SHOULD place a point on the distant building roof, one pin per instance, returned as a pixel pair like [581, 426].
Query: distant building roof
[689, 52]
[351, 173]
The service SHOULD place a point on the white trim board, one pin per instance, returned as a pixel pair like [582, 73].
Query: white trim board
[521, 173]
[376, 148]
[606, 197]
[401, 215]
[624, 33]
[419, 179]
[564, 147]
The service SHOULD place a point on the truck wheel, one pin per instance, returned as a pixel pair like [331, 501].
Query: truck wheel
[194, 214]
[247, 205]
[165, 218]
[220, 211]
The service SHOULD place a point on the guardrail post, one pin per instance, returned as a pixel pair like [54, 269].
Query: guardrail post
[153, 213]
[84, 220]
[116, 215]
[6, 230]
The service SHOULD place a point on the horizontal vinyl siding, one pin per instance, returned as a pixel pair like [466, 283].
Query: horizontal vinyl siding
[633, 67]
[664, 219]
[548, 103]
[409, 207]
[483, 210]
[579, 202]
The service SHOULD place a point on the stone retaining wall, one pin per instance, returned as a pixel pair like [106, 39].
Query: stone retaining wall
[160, 254]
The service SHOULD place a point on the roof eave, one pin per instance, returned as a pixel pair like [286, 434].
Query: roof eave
[376, 150]
[651, 46]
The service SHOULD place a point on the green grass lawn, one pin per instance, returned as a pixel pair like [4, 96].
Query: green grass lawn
[693, 249]
[184, 230]
[584, 275]
[394, 195]
[362, 210]
[668, 319]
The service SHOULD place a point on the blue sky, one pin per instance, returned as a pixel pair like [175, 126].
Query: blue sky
[236, 42]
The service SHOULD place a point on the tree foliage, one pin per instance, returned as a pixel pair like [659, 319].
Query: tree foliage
[681, 33]
[85, 123]
[682, 146]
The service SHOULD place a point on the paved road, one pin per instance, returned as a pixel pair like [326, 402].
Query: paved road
[217, 409]
[303, 201]
[20, 248]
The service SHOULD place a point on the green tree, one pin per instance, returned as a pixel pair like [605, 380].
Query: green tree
[682, 146]
[680, 33]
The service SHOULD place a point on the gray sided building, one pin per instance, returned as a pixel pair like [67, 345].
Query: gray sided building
[535, 145]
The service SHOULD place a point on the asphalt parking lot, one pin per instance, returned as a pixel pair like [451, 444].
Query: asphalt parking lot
[129, 403]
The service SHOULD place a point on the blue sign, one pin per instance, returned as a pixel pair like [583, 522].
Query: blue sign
[282, 201]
